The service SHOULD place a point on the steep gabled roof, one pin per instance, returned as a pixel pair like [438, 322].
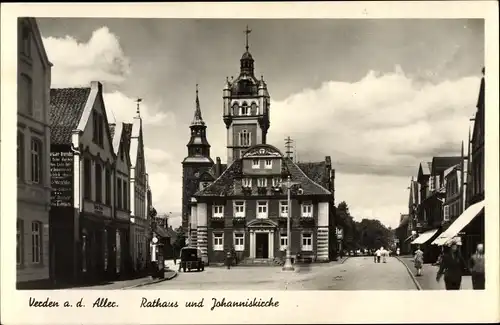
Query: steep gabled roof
[230, 182]
[317, 172]
[127, 133]
[66, 109]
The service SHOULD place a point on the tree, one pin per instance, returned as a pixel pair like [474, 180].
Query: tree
[180, 240]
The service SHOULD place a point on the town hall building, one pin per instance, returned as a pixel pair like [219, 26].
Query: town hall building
[242, 205]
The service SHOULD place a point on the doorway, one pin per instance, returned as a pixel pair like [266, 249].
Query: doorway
[261, 245]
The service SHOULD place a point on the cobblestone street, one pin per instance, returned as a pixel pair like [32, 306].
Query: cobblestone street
[359, 273]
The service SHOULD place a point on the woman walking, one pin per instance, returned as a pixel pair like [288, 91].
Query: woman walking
[476, 266]
[452, 266]
[418, 261]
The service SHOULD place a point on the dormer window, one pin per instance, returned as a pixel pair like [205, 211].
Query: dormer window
[218, 211]
[276, 181]
[262, 182]
[269, 164]
[245, 138]
[244, 109]
[247, 182]
[255, 163]
[307, 210]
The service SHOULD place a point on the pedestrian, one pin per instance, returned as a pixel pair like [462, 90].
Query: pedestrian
[384, 254]
[476, 266]
[418, 261]
[397, 251]
[379, 254]
[452, 266]
[175, 256]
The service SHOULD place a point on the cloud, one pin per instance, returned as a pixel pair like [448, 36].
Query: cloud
[157, 156]
[77, 63]
[121, 108]
[376, 131]
[166, 189]
[382, 123]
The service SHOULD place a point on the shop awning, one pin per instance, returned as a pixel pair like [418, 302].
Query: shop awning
[465, 218]
[423, 238]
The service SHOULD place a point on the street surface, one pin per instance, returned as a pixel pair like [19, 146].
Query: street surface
[356, 273]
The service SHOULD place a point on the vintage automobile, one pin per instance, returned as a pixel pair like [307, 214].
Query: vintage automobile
[191, 259]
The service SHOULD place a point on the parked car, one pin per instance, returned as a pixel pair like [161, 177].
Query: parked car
[191, 259]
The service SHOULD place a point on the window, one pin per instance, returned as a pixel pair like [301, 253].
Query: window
[218, 241]
[307, 210]
[87, 178]
[307, 242]
[125, 195]
[108, 186]
[36, 155]
[276, 181]
[262, 209]
[262, 182]
[98, 182]
[431, 184]
[283, 241]
[245, 138]
[284, 209]
[244, 109]
[255, 163]
[20, 242]
[269, 164]
[438, 184]
[98, 130]
[36, 242]
[254, 108]
[235, 108]
[218, 211]
[26, 41]
[246, 182]
[119, 193]
[239, 242]
[239, 209]
[446, 212]
[20, 155]
[26, 94]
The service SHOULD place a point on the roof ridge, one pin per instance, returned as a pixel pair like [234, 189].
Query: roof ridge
[308, 176]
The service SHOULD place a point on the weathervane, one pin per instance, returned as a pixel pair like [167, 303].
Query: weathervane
[247, 31]
[138, 101]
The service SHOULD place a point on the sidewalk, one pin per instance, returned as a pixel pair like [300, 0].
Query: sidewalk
[128, 284]
[428, 279]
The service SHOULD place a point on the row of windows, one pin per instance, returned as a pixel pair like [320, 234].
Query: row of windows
[122, 186]
[239, 241]
[36, 242]
[261, 182]
[256, 163]
[35, 158]
[262, 209]
[244, 109]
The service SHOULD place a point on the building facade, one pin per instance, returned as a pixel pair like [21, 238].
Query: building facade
[244, 206]
[84, 220]
[121, 147]
[139, 217]
[33, 156]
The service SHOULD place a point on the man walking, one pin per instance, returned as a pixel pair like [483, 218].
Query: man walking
[476, 265]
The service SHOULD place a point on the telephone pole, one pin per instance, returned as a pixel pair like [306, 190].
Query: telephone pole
[289, 147]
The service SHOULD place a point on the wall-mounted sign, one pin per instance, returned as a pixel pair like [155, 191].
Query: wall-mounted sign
[61, 176]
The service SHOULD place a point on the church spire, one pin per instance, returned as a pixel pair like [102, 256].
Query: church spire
[197, 120]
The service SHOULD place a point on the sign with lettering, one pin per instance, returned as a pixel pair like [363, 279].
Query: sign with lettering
[61, 176]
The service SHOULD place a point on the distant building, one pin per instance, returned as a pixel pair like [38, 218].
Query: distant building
[33, 253]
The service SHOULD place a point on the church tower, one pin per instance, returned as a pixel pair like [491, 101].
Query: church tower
[197, 161]
[246, 108]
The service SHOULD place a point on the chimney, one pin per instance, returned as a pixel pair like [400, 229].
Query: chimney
[96, 85]
[217, 167]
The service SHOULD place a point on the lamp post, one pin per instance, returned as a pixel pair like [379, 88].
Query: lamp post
[288, 262]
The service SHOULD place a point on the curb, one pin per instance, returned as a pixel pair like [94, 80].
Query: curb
[345, 259]
[153, 282]
[414, 279]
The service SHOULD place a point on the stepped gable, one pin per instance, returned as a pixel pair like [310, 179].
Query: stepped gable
[66, 109]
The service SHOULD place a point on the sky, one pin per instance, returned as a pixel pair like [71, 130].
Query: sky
[377, 96]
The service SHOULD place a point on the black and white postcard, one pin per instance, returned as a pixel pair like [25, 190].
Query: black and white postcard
[250, 162]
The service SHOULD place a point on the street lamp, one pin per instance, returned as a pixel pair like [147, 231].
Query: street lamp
[288, 262]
